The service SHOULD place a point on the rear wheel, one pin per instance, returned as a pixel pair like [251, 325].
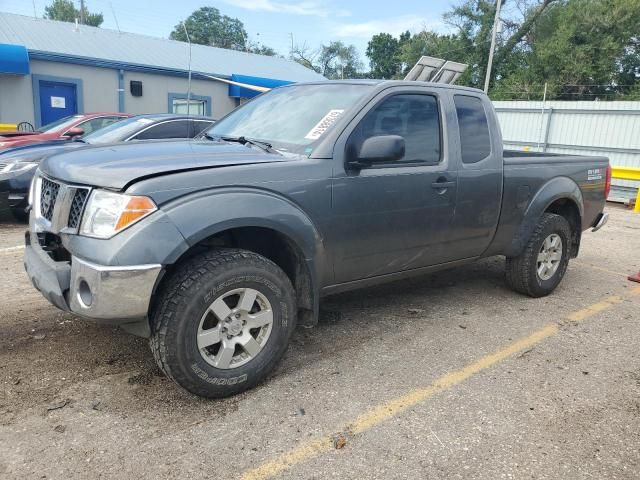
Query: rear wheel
[540, 268]
[223, 322]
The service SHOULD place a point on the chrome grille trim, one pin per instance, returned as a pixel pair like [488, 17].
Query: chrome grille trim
[49, 192]
[77, 207]
[64, 215]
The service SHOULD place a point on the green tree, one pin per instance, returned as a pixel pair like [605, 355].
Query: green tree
[65, 11]
[382, 51]
[335, 60]
[207, 26]
[588, 49]
[338, 60]
[261, 49]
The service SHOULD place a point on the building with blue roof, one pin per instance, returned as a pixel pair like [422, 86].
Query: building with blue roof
[51, 69]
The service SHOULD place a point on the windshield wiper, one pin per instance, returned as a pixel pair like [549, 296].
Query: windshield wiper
[266, 146]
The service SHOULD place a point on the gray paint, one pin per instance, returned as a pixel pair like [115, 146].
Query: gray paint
[337, 215]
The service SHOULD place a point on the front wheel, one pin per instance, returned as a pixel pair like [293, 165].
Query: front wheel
[538, 270]
[223, 322]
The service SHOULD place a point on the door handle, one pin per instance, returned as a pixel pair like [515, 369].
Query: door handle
[442, 184]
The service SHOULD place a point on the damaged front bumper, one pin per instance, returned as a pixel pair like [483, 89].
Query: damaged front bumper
[107, 294]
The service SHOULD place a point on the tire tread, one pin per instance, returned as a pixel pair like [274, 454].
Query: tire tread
[179, 286]
[518, 269]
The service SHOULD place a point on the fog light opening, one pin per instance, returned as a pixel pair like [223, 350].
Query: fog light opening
[85, 297]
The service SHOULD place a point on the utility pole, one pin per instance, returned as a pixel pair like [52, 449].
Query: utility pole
[186, 32]
[496, 22]
[81, 12]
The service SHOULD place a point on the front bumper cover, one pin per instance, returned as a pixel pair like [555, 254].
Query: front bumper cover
[107, 294]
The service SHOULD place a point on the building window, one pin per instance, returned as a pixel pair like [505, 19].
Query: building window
[197, 104]
[193, 107]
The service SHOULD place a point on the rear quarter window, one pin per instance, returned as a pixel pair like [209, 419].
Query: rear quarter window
[475, 141]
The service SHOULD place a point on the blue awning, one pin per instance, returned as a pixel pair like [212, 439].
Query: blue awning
[238, 91]
[14, 59]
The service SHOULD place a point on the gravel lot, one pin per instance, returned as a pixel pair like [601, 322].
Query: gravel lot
[83, 401]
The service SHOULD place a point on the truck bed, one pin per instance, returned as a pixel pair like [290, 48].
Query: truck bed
[526, 174]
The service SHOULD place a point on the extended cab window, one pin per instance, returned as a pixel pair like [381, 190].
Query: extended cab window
[414, 117]
[474, 128]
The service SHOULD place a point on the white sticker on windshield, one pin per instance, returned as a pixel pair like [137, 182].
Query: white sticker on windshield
[322, 126]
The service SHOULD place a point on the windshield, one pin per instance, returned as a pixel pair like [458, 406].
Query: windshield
[118, 131]
[59, 124]
[291, 118]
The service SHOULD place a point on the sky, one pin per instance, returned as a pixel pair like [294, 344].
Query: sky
[272, 22]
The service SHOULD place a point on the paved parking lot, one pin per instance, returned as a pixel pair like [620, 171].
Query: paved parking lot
[447, 376]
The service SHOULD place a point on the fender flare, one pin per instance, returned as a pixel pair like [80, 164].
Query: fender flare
[203, 214]
[557, 188]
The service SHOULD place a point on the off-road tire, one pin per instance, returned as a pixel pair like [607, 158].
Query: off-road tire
[521, 271]
[188, 293]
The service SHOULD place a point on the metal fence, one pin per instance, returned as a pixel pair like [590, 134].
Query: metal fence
[583, 128]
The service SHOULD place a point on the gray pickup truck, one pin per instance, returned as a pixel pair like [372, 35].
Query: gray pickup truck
[216, 249]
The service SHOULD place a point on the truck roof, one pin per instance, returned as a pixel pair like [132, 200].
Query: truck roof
[388, 83]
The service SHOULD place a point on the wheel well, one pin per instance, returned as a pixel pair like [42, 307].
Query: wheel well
[269, 243]
[569, 210]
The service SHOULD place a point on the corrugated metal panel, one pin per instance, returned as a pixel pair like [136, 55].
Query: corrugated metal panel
[64, 38]
[586, 128]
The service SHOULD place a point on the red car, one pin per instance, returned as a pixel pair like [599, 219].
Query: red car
[62, 129]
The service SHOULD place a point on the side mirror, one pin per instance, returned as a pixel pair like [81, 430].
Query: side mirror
[74, 132]
[380, 149]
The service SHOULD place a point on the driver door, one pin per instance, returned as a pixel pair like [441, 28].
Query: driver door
[394, 216]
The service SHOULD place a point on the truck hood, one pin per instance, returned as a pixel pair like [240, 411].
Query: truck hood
[118, 165]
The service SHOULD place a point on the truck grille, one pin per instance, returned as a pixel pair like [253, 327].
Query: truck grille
[48, 196]
[77, 205]
[59, 205]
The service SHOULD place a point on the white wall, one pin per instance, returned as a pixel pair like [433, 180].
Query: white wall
[611, 129]
[16, 99]
[156, 89]
[100, 91]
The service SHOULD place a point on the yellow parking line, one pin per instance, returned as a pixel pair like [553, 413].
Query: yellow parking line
[591, 310]
[394, 407]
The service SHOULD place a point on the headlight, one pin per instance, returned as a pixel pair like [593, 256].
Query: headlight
[108, 213]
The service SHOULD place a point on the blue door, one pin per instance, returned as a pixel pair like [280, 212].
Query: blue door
[57, 100]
